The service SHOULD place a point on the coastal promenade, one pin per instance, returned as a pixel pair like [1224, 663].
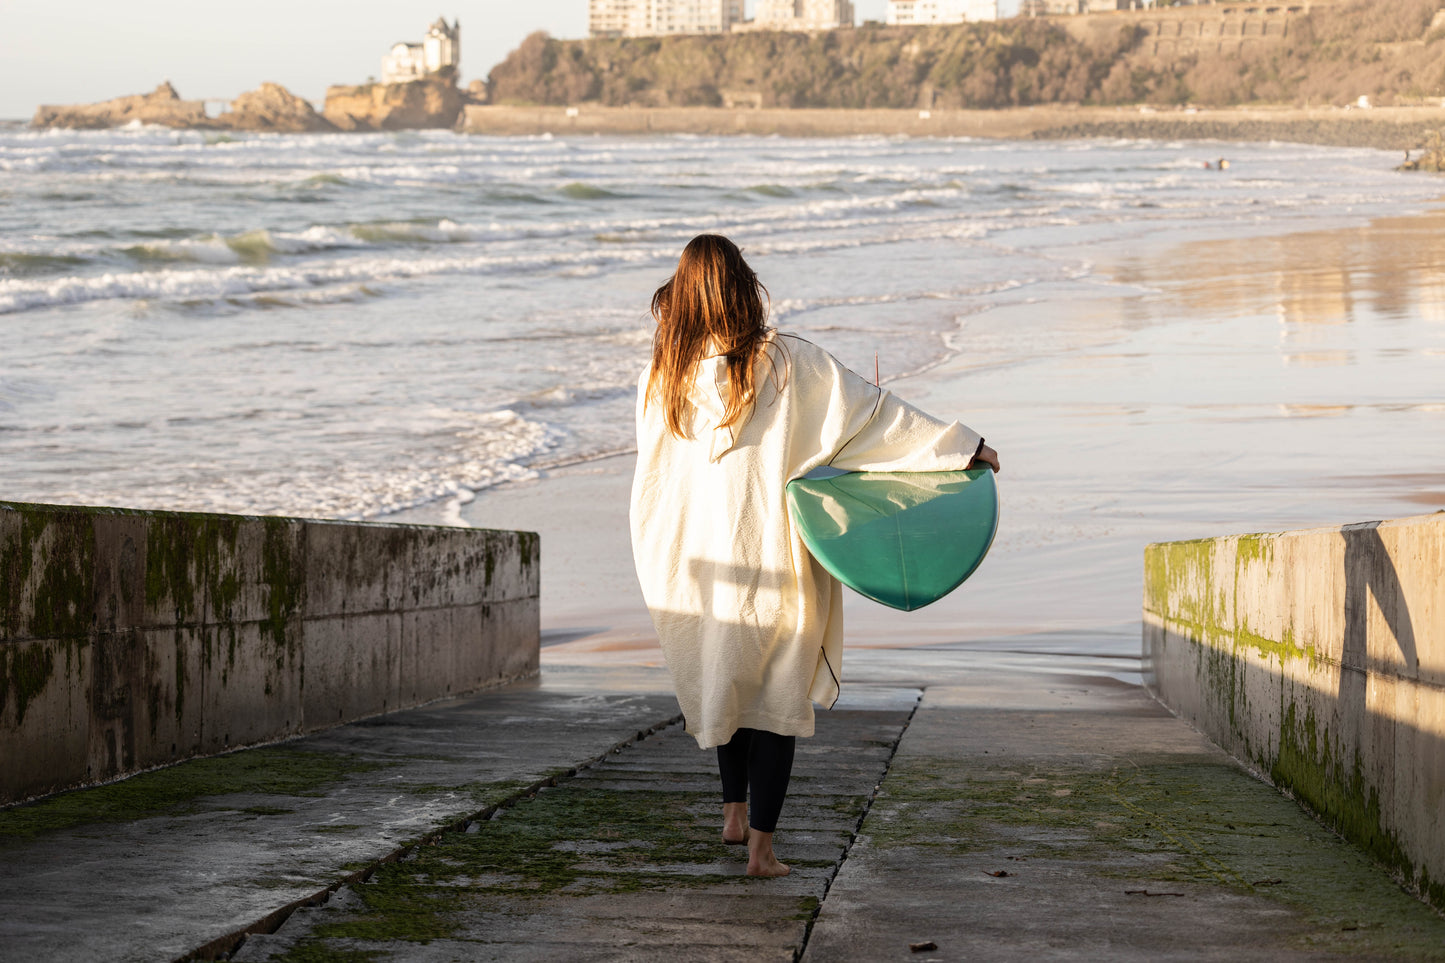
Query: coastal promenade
[1014, 798]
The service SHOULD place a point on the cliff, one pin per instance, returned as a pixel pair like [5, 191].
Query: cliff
[434, 102]
[272, 107]
[1390, 50]
[161, 106]
[1003, 64]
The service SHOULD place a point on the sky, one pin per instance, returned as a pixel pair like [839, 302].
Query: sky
[81, 51]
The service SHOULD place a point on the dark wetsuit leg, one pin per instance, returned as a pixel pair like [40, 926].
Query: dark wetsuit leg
[757, 763]
[770, 765]
[732, 764]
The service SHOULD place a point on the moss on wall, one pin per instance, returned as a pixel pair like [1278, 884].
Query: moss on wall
[1182, 586]
[209, 582]
[283, 572]
[191, 565]
[25, 671]
[1323, 740]
[1313, 766]
[1173, 573]
[46, 574]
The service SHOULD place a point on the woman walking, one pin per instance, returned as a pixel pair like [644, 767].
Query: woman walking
[728, 412]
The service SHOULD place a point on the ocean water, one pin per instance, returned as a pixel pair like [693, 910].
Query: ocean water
[347, 326]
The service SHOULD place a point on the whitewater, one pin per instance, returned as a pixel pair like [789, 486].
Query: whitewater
[349, 325]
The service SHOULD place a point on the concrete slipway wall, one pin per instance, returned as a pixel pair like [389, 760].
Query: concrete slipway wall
[130, 639]
[1319, 658]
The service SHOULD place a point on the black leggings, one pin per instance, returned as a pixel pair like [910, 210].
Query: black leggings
[761, 761]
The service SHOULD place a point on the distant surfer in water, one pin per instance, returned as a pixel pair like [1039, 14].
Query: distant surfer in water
[728, 412]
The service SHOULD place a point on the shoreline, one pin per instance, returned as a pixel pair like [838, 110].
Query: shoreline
[1380, 128]
[1383, 128]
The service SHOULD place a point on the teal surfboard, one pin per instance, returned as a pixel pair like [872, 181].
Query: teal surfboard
[905, 539]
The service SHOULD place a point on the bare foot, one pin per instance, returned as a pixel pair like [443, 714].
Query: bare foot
[735, 823]
[761, 860]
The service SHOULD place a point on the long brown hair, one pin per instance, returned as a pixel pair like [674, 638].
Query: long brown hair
[713, 303]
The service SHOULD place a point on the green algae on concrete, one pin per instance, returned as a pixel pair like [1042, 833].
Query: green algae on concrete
[283, 573]
[188, 565]
[1157, 823]
[25, 670]
[1182, 587]
[46, 588]
[1308, 765]
[1167, 567]
[577, 839]
[556, 854]
[55, 601]
[1290, 699]
[182, 788]
[569, 841]
[149, 636]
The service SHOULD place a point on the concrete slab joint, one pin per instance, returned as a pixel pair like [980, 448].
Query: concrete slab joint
[132, 639]
[1318, 657]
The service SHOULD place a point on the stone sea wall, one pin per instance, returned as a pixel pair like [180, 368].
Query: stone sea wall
[133, 639]
[1318, 658]
[1390, 128]
[1174, 32]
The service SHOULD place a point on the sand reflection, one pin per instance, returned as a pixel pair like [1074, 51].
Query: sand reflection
[1392, 268]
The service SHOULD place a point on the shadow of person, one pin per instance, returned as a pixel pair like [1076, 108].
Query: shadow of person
[1369, 570]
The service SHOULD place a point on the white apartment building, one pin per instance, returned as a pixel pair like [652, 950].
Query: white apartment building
[1054, 8]
[909, 12]
[652, 18]
[616, 18]
[802, 14]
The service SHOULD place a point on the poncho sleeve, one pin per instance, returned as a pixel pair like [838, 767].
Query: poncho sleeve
[843, 421]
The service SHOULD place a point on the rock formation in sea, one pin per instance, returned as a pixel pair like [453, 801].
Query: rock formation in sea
[1432, 153]
[429, 103]
[432, 102]
[161, 106]
[271, 107]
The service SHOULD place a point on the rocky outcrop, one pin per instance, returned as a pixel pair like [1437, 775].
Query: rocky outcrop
[161, 106]
[1432, 152]
[271, 107]
[434, 102]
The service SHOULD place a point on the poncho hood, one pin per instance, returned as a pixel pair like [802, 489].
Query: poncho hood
[708, 395]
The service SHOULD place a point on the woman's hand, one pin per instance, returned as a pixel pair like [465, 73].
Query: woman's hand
[985, 456]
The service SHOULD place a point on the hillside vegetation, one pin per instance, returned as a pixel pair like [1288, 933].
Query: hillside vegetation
[1381, 48]
[1384, 49]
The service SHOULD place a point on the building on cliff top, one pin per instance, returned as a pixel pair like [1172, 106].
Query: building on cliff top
[799, 15]
[910, 12]
[441, 48]
[652, 18]
[1054, 8]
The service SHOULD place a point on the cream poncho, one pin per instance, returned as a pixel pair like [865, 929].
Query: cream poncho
[751, 626]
